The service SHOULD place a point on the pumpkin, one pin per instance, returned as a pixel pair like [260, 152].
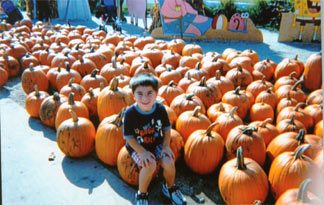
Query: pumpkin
[127, 168]
[285, 67]
[49, 107]
[84, 66]
[190, 121]
[215, 64]
[293, 90]
[266, 67]
[189, 49]
[63, 112]
[155, 55]
[27, 59]
[289, 141]
[172, 115]
[203, 150]
[226, 122]
[215, 110]
[313, 72]
[299, 114]
[31, 77]
[10, 64]
[267, 130]
[286, 80]
[221, 82]
[137, 62]
[176, 144]
[251, 54]
[291, 124]
[176, 45]
[76, 136]
[62, 59]
[242, 61]
[285, 102]
[170, 75]
[162, 68]
[93, 80]
[113, 69]
[34, 100]
[240, 77]
[170, 91]
[261, 111]
[186, 81]
[185, 102]
[3, 76]
[98, 58]
[52, 74]
[242, 180]
[289, 169]
[252, 143]
[239, 99]
[171, 58]
[207, 93]
[111, 100]
[197, 73]
[64, 76]
[188, 61]
[268, 97]
[299, 195]
[258, 86]
[109, 138]
[315, 97]
[145, 68]
[318, 129]
[74, 88]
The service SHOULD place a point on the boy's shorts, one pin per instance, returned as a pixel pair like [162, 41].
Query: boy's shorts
[157, 153]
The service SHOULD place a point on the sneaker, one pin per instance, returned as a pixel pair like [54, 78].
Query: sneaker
[174, 194]
[141, 198]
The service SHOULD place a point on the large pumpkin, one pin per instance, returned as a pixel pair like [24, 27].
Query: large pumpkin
[242, 180]
[289, 169]
[313, 72]
[127, 168]
[109, 138]
[111, 100]
[76, 136]
[203, 150]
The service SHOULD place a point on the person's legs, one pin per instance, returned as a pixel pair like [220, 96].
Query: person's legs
[169, 170]
[145, 177]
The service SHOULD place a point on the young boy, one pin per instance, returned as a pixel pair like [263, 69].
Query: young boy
[147, 135]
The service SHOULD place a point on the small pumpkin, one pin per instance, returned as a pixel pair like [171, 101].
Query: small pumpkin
[34, 100]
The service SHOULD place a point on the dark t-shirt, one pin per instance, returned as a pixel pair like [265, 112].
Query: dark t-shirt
[146, 127]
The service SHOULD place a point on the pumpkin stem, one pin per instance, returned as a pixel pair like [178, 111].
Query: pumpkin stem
[114, 84]
[56, 96]
[218, 75]
[67, 66]
[113, 61]
[91, 92]
[71, 98]
[249, 130]
[301, 137]
[196, 111]
[94, 72]
[197, 66]
[171, 83]
[299, 105]
[269, 90]
[221, 107]
[300, 150]
[118, 120]
[240, 159]
[265, 122]
[189, 96]
[237, 90]
[188, 76]
[292, 74]
[291, 121]
[296, 84]
[37, 94]
[74, 115]
[203, 82]
[31, 66]
[231, 114]
[302, 191]
[210, 128]
[102, 86]
[71, 81]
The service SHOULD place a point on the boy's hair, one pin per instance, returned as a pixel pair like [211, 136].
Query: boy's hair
[144, 79]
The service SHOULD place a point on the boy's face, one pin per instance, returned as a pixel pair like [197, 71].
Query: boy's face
[145, 97]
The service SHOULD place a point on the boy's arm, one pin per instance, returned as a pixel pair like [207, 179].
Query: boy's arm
[167, 137]
[134, 144]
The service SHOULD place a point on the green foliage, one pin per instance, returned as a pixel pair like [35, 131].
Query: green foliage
[227, 8]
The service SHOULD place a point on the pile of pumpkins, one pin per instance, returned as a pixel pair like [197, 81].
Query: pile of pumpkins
[228, 110]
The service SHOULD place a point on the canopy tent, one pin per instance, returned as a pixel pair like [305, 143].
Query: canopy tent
[73, 9]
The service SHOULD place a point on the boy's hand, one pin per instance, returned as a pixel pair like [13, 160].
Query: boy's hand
[146, 158]
[166, 150]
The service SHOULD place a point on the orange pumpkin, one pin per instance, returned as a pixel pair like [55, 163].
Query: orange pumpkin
[76, 136]
[244, 177]
[34, 100]
[313, 72]
[203, 150]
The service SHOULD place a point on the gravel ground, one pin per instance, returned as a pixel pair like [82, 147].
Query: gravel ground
[191, 184]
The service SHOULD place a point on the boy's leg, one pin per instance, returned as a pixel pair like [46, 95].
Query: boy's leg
[169, 170]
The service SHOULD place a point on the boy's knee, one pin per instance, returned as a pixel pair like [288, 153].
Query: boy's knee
[151, 166]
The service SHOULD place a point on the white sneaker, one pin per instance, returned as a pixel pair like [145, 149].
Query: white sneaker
[174, 194]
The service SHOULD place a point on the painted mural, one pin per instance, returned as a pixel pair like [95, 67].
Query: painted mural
[305, 22]
[179, 18]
